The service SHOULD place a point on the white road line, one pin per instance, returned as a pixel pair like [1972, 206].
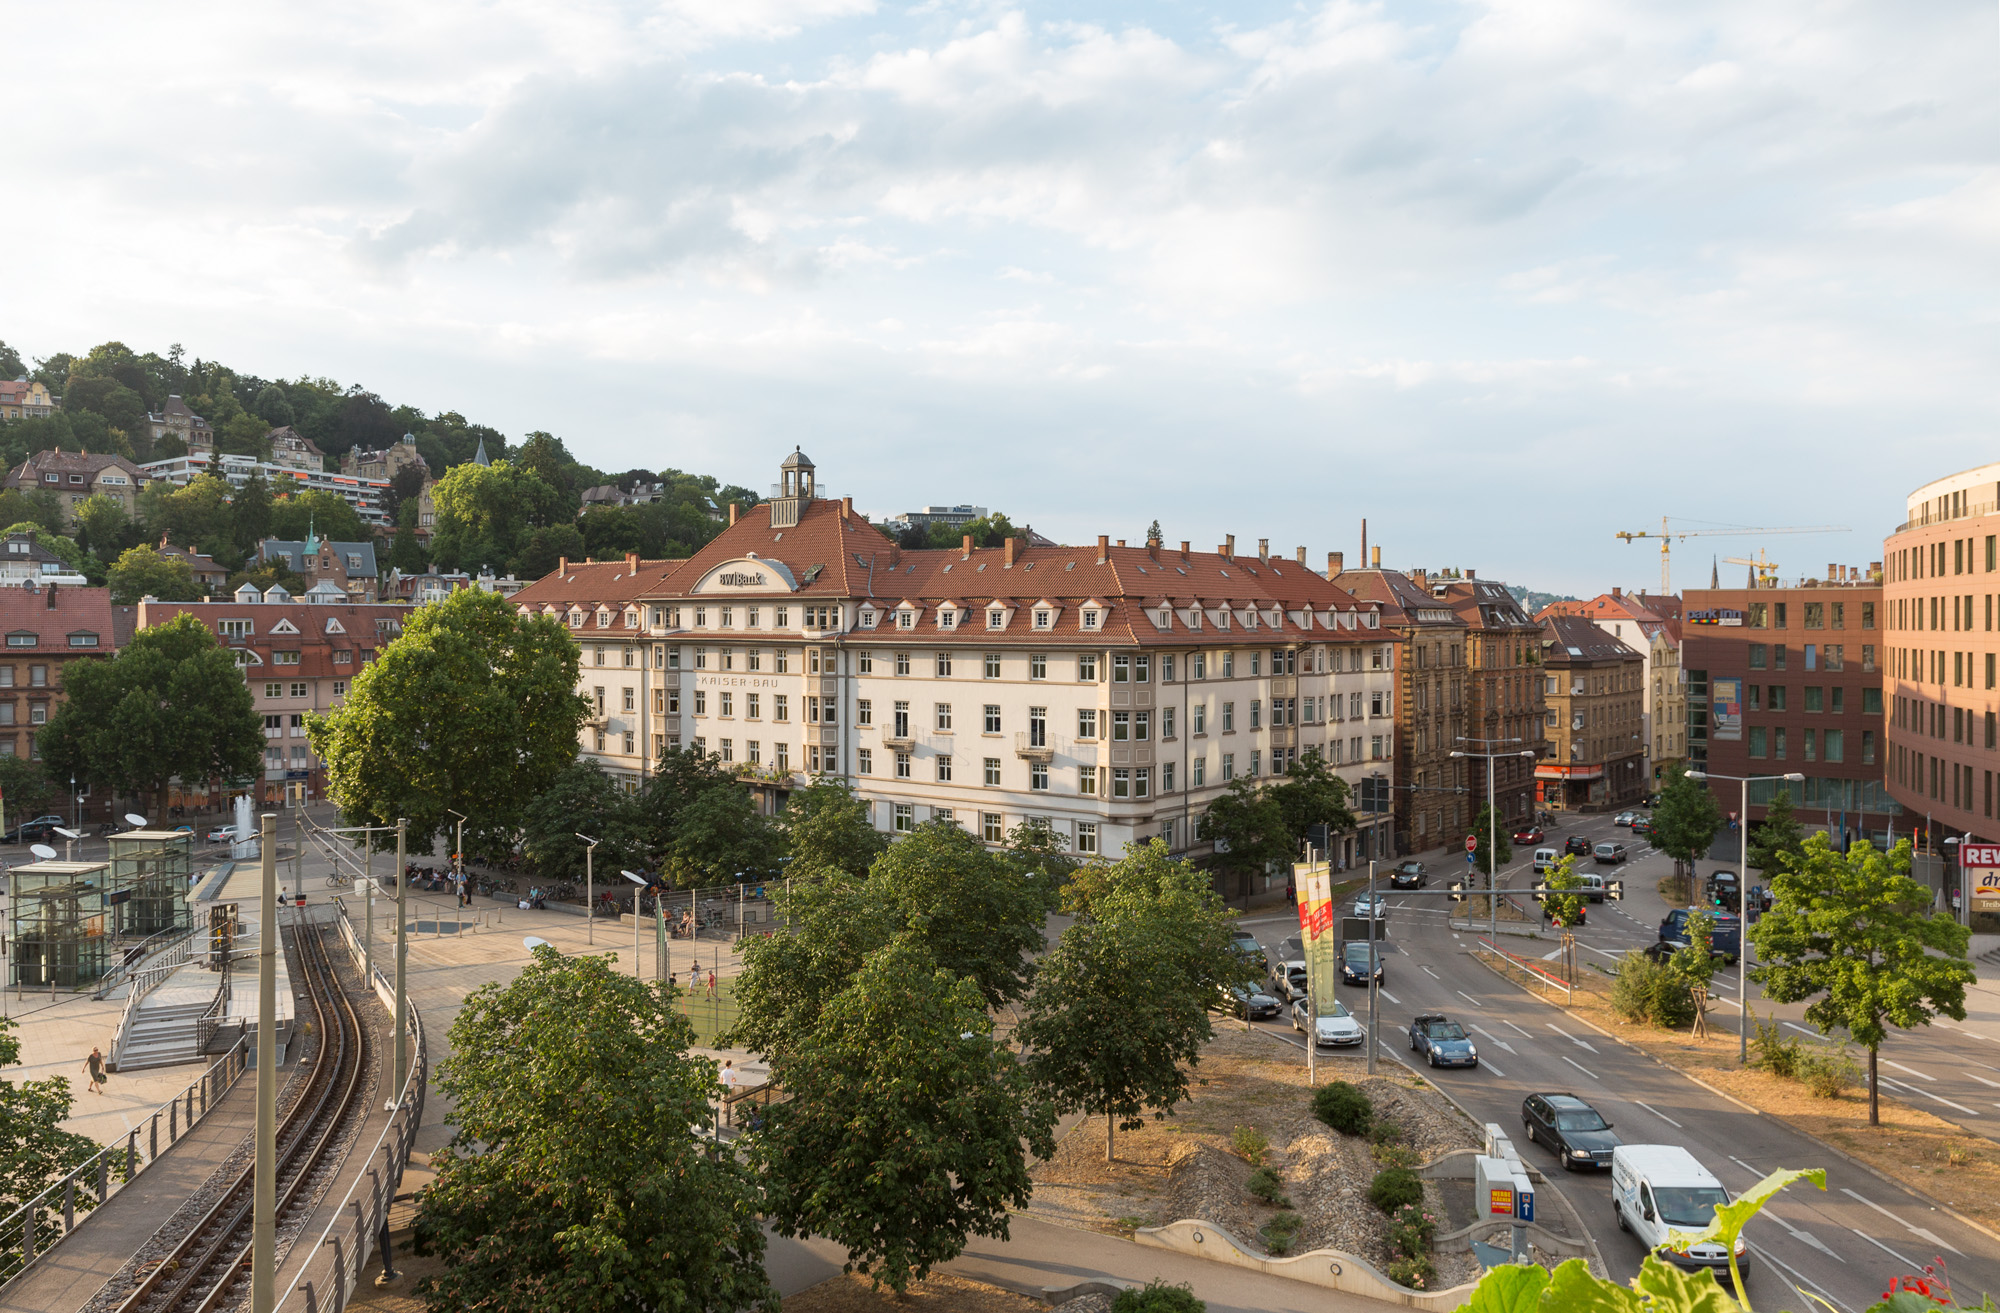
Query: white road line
[1550, 957]
[1571, 1038]
[1983, 1081]
[1907, 1264]
[1746, 1167]
[1602, 953]
[1913, 1230]
[1657, 1113]
[1580, 1067]
[1810, 1034]
[1529, 1033]
[1899, 1085]
[1495, 1038]
[1391, 997]
[1470, 999]
[1798, 1282]
[1495, 1070]
[1434, 975]
[1912, 1070]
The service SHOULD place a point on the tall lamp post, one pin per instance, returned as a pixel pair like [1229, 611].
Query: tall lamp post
[639, 880]
[458, 849]
[589, 893]
[1743, 903]
[1493, 826]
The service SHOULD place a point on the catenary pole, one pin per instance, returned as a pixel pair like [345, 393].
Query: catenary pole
[400, 1073]
[263, 1243]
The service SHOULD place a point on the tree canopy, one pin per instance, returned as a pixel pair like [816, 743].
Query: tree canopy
[35, 1150]
[1248, 827]
[1686, 821]
[1778, 839]
[142, 572]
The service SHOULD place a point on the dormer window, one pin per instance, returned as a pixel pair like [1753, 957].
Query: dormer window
[867, 619]
[603, 617]
[947, 619]
[1042, 619]
[576, 617]
[1090, 619]
[76, 478]
[631, 617]
[996, 619]
[906, 620]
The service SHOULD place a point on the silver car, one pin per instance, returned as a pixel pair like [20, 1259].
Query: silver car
[1335, 1026]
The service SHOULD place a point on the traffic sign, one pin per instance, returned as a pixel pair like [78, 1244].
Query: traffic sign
[1614, 889]
[1472, 843]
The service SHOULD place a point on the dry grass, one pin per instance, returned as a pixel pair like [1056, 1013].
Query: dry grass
[1924, 1152]
[936, 1293]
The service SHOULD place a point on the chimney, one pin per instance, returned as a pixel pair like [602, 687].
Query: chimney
[1336, 562]
[1375, 561]
[1830, 569]
[1616, 591]
[1302, 556]
[1103, 548]
[1008, 549]
[1472, 574]
[1153, 548]
[847, 508]
[1121, 542]
[562, 565]
[52, 597]
[632, 564]
[734, 511]
[1229, 546]
[1364, 545]
[1184, 549]
[965, 548]
[1263, 549]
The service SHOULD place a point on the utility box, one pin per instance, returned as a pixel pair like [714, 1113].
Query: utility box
[1493, 1188]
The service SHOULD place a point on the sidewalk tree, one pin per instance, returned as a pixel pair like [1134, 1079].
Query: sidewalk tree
[579, 1176]
[35, 1150]
[472, 707]
[1560, 901]
[826, 828]
[1780, 839]
[583, 798]
[786, 980]
[1686, 821]
[905, 1132]
[1855, 935]
[171, 704]
[1310, 794]
[679, 777]
[967, 906]
[1248, 829]
[1121, 1005]
[719, 838]
[142, 572]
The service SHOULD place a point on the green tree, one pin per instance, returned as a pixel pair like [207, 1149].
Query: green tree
[679, 777]
[196, 516]
[250, 515]
[1559, 898]
[1494, 850]
[10, 363]
[904, 1134]
[579, 1176]
[719, 837]
[103, 527]
[316, 511]
[25, 789]
[584, 799]
[1779, 840]
[243, 434]
[966, 904]
[405, 552]
[1040, 852]
[787, 980]
[472, 707]
[273, 407]
[35, 1150]
[1121, 1005]
[1856, 935]
[485, 513]
[826, 828]
[143, 572]
[172, 703]
[1311, 794]
[1247, 827]
[1686, 821]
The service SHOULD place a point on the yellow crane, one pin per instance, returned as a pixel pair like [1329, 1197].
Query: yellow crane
[1667, 535]
[1762, 567]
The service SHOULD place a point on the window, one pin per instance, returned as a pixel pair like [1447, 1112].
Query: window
[992, 768]
[1198, 776]
[943, 768]
[906, 818]
[1778, 738]
[1229, 665]
[236, 629]
[340, 688]
[1256, 664]
[1833, 743]
[1837, 702]
[753, 658]
[902, 765]
[1778, 616]
[1086, 722]
[1871, 701]
[1142, 782]
[1090, 617]
[1760, 615]
[866, 664]
[1041, 619]
[1038, 776]
[1812, 745]
[1166, 777]
[627, 703]
[1200, 713]
[902, 720]
[1758, 741]
[781, 707]
[781, 661]
[728, 704]
[1121, 783]
[1815, 615]
[1758, 654]
[1868, 741]
[1086, 781]
[1815, 698]
[284, 658]
[1038, 727]
[1229, 718]
[902, 663]
[943, 662]
[996, 619]
[864, 761]
[1142, 669]
[701, 702]
[1121, 726]
[1038, 666]
[1228, 767]
[1166, 667]
[1198, 665]
[992, 665]
[298, 690]
[1256, 713]
[752, 703]
[274, 690]
[1166, 722]
[38, 676]
[1086, 669]
[1086, 836]
[1775, 695]
[943, 712]
[1142, 726]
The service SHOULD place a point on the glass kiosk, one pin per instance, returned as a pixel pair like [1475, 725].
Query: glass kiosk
[151, 873]
[58, 924]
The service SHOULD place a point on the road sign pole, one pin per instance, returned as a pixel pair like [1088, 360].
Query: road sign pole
[1373, 1040]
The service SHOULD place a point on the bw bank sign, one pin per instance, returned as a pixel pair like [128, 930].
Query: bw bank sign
[744, 574]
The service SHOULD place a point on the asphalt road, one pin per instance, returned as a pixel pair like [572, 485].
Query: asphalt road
[1843, 1245]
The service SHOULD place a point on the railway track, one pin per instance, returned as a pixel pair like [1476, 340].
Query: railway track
[209, 1268]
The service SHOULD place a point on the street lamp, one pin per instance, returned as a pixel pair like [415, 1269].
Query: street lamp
[1493, 829]
[1743, 905]
[458, 849]
[639, 880]
[589, 906]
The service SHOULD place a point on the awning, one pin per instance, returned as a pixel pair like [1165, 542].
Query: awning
[1569, 772]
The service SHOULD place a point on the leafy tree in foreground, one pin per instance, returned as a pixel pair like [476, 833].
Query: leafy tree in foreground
[1038, 851]
[719, 837]
[827, 829]
[904, 1134]
[34, 1148]
[787, 979]
[679, 777]
[1779, 840]
[171, 704]
[577, 1177]
[968, 906]
[1856, 935]
[472, 707]
[1686, 821]
[1311, 794]
[583, 798]
[1563, 904]
[1248, 828]
[1121, 1006]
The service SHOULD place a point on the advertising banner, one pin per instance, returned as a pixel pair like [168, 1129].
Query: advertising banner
[1725, 709]
[1985, 885]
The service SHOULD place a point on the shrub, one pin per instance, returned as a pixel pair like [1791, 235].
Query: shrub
[1827, 1072]
[1396, 1155]
[1264, 1183]
[1157, 1296]
[1632, 992]
[1394, 1188]
[1250, 1145]
[1282, 1231]
[1411, 1273]
[1673, 1000]
[1386, 1132]
[1412, 1230]
[1777, 1052]
[1344, 1107]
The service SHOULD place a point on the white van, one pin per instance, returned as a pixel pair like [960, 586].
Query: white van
[1546, 859]
[1660, 1187]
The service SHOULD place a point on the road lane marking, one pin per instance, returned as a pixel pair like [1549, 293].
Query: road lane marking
[1746, 1167]
[1495, 1038]
[1983, 1081]
[1495, 1070]
[1391, 997]
[1913, 1230]
[1603, 953]
[1571, 1038]
[1912, 1070]
[1529, 1033]
[1470, 999]
[1580, 1067]
[1657, 1113]
[1896, 1084]
[1798, 1282]
[1907, 1264]
[1810, 1034]
[1434, 975]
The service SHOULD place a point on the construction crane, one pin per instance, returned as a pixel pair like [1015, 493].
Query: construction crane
[1666, 537]
[1762, 567]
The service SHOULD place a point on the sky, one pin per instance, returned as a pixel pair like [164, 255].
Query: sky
[1502, 278]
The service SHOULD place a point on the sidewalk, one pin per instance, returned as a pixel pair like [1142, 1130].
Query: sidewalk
[56, 1036]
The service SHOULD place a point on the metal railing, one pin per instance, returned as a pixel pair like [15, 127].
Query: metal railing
[144, 982]
[144, 956]
[340, 1258]
[1534, 976]
[38, 1226]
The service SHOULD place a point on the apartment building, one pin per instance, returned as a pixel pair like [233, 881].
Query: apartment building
[294, 451]
[47, 627]
[75, 476]
[22, 399]
[1114, 690]
[177, 422]
[298, 657]
[1785, 679]
[1431, 807]
[1650, 625]
[1504, 694]
[364, 495]
[385, 463]
[347, 566]
[1595, 695]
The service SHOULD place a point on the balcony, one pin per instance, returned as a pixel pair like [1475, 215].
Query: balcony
[1037, 750]
[900, 741]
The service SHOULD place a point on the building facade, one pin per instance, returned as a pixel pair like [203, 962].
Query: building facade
[364, 495]
[75, 476]
[385, 463]
[1650, 625]
[1789, 679]
[293, 451]
[350, 567]
[1114, 691]
[47, 628]
[1595, 697]
[1504, 690]
[22, 399]
[177, 422]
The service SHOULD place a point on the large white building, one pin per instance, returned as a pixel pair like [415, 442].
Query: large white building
[1113, 690]
[364, 495]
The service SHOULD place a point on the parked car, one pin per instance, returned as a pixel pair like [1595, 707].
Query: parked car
[1248, 949]
[221, 834]
[1592, 890]
[1442, 1041]
[35, 831]
[1657, 1189]
[1546, 859]
[1371, 911]
[1354, 963]
[1532, 834]
[1288, 980]
[1577, 844]
[1410, 875]
[1573, 1130]
[1335, 1027]
[1624, 818]
[1724, 940]
[1642, 825]
[1608, 852]
[1250, 1004]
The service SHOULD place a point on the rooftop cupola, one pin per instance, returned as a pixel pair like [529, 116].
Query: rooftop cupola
[795, 489]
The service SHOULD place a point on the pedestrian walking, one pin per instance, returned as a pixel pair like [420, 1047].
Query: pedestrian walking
[728, 1077]
[711, 982]
[94, 1064]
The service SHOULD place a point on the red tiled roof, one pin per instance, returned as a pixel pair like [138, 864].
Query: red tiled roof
[54, 613]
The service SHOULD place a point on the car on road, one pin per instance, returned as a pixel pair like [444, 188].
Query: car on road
[1375, 911]
[1442, 1041]
[1246, 1002]
[1657, 1189]
[1576, 1132]
[1624, 818]
[1576, 844]
[1354, 963]
[1642, 825]
[1723, 940]
[221, 834]
[1410, 875]
[1546, 859]
[1334, 1028]
[35, 831]
[1608, 852]
[1248, 948]
[1532, 834]
[1288, 979]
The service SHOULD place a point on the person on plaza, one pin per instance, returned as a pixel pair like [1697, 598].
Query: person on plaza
[711, 982]
[728, 1077]
[94, 1064]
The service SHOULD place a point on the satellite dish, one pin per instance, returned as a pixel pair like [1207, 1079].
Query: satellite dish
[135, 820]
[42, 851]
[67, 834]
[635, 879]
[531, 943]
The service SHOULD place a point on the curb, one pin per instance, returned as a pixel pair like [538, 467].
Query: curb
[1343, 1271]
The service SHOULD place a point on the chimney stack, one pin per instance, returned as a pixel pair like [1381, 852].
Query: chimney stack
[632, 564]
[1616, 591]
[847, 508]
[965, 548]
[734, 511]
[1153, 548]
[1302, 556]
[1830, 568]
[1263, 549]
[1184, 549]
[1374, 562]
[1007, 550]
[1364, 544]
[1229, 546]
[1335, 563]
[1472, 574]
[1121, 542]
[562, 565]
[1103, 548]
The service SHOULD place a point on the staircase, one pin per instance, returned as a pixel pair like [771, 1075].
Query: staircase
[174, 1023]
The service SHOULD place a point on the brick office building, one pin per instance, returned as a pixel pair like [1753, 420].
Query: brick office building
[1785, 679]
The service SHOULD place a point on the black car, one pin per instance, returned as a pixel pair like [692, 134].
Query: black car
[35, 831]
[1354, 964]
[1576, 844]
[1410, 875]
[1724, 891]
[1571, 1128]
[1246, 1002]
[1248, 949]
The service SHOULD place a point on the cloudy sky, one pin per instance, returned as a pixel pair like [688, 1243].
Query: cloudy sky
[1502, 277]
